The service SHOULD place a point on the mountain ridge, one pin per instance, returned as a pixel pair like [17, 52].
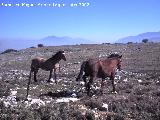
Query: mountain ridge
[46, 41]
[151, 36]
[64, 40]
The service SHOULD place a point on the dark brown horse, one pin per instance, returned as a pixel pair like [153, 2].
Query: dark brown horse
[46, 64]
[100, 68]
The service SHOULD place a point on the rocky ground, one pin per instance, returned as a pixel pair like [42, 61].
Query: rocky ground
[137, 85]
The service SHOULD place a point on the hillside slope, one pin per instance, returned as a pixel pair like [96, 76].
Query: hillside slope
[137, 85]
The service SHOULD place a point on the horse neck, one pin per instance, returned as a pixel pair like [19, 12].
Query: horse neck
[117, 61]
[56, 58]
[114, 58]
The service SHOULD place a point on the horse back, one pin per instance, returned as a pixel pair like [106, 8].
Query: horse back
[36, 62]
[43, 63]
[108, 65]
[92, 67]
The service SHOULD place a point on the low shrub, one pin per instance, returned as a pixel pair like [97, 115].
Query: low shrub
[40, 45]
[8, 51]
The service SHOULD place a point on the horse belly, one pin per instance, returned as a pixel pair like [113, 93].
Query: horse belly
[103, 73]
[46, 67]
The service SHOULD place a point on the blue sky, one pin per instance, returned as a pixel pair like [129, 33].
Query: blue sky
[102, 20]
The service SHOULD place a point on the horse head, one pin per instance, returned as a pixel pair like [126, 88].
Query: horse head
[62, 55]
[119, 58]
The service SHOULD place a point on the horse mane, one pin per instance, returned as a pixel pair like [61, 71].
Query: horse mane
[56, 56]
[114, 55]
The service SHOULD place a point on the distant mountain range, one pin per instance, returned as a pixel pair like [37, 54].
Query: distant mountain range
[54, 40]
[47, 41]
[151, 36]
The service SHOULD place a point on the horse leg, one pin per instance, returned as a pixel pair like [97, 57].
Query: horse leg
[50, 75]
[84, 79]
[102, 85]
[35, 74]
[112, 79]
[55, 76]
[59, 69]
[29, 81]
[88, 86]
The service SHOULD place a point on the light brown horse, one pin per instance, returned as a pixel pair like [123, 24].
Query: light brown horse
[100, 68]
[46, 64]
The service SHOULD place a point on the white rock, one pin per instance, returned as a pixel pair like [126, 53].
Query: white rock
[64, 85]
[24, 88]
[60, 80]
[6, 103]
[17, 88]
[13, 93]
[31, 101]
[105, 106]
[38, 101]
[82, 83]
[125, 80]
[10, 101]
[52, 80]
[47, 101]
[66, 100]
[35, 87]
[74, 95]
[97, 88]
[139, 81]
[115, 83]
[115, 92]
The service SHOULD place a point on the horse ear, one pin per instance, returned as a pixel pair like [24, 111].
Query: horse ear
[63, 52]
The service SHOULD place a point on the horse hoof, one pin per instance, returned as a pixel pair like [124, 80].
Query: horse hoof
[26, 99]
[88, 94]
[101, 92]
[48, 81]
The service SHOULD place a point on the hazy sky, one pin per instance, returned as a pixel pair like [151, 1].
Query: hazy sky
[100, 20]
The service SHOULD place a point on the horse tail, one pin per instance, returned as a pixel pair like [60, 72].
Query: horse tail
[81, 71]
[29, 81]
